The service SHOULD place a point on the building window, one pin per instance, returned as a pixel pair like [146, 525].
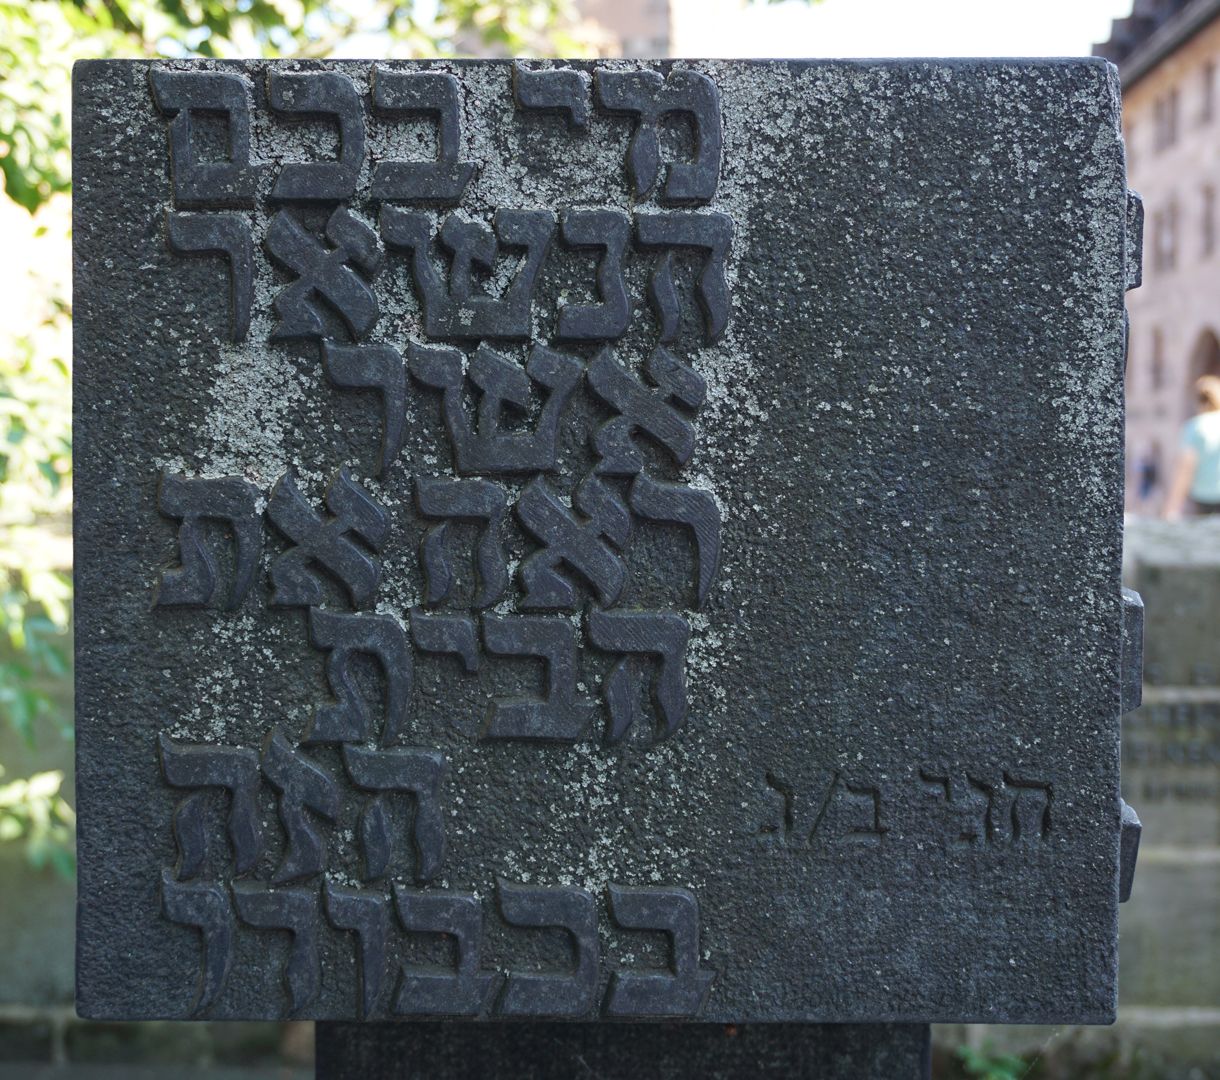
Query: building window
[1208, 223]
[1171, 236]
[1208, 111]
[1165, 116]
[1156, 369]
[1165, 238]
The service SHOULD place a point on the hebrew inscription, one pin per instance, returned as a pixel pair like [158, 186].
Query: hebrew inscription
[226, 235]
[196, 501]
[523, 560]
[548, 545]
[186, 98]
[437, 96]
[330, 96]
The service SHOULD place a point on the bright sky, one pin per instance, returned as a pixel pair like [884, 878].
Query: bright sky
[875, 28]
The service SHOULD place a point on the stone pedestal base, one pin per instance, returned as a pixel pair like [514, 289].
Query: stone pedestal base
[562, 1051]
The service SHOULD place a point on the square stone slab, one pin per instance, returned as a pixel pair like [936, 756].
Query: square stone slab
[623, 540]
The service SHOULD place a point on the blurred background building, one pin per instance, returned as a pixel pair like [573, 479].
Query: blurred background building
[1167, 52]
[636, 28]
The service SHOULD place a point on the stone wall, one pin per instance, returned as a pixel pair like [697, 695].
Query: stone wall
[1171, 773]
[1169, 981]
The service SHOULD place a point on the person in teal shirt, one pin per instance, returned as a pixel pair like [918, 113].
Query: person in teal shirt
[1197, 475]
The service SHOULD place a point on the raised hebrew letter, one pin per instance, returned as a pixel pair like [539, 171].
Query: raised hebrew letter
[461, 991]
[326, 542]
[419, 772]
[323, 273]
[560, 90]
[347, 718]
[478, 501]
[682, 993]
[302, 785]
[661, 634]
[695, 508]
[204, 905]
[462, 309]
[557, 715]
[367, 915]
[227, 235]
[324, 94]
[434, 94]
[205, 765]
[294, 910]
[710, 233]
[649, 97]
[194, 500]
[642, 409]
[455, 635]
[186, 97]
[487, 446]
[567, 908]
[609, 230]
[379, 368]
[573, 543]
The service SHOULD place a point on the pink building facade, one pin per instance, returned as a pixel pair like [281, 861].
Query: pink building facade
[1168, 54]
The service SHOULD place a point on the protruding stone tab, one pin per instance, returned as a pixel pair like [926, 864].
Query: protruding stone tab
[1128, 850]
[1132, 668]
[1133, 254]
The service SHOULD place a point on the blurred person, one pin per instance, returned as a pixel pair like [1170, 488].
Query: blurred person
[1197, 473]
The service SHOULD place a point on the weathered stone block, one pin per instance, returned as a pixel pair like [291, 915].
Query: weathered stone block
[138, 1044]
[1170, 930]
[622, 540]
[26, 1040]
[1175, 567]
[1171, 765]
[558, 1051]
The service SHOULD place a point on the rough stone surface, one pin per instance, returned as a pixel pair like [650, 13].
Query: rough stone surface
[666, 1051]
[875, 777]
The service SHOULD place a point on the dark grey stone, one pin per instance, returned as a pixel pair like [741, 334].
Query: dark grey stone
[666, 1051]
[1133, 650]
[1129, 849]
[707, 607]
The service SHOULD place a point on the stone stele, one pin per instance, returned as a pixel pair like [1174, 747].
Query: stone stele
[622, 540]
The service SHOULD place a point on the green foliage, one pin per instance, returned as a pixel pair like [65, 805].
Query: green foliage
[33, 140]
[35, 811]
[39, 41]
[35, 589]
[989, 1064]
